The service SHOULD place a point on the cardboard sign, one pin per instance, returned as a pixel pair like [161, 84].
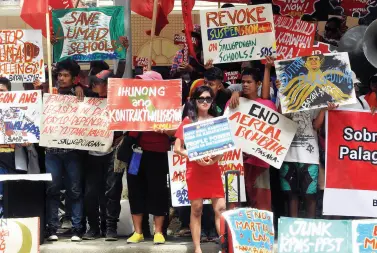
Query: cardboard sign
[261, 132]
[142, 61]
[296, 8]
[144, 105]
[20, 113]
[252, 230]
[294, 37]
[19, 235]
[351, 159]
[311, 82]
[232, 160]
[68, 123]
[21, 55]
[89, 34]
[320, 236]
[207, 138]
[232, 76]
[238, 34]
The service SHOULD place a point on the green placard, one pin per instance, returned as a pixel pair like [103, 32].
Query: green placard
[88, 34]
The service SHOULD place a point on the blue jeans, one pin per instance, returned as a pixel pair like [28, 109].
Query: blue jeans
[68, 165]
[3, 171]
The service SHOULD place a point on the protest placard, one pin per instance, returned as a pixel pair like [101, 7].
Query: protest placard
[238, 34]
[353, 8]
[69, 123]
[20, 235]
[317, 236]
[261, 132]
[89, 34]
[20, 113]
[21, 55]
[351, 159]
[296, 8]
[252, 230]
[310, 82]
[313, 236]
[207, 138]
[231, 160]
[294, 37]
[144, 105]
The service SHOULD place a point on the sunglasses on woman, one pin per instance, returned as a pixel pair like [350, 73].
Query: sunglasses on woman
[201, 100]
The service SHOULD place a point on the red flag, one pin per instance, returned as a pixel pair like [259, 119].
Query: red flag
[145, 9]
[34, 12]
[187, 6]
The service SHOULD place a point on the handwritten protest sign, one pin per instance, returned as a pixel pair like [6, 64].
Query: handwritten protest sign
[311, 82]
[310, 235]
[208, 137]
[232, 160]
[20, 235]
[261, 132]
[68, 123]
[252, 230]
[144, 105]
[238, 34]
[319, 236]
[295, 8]
[89, 34]
[351, 159]
[20, 113]
[294, 37]
[21, 55]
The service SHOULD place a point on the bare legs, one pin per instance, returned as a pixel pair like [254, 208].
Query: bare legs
[138, 221]
[196, 217]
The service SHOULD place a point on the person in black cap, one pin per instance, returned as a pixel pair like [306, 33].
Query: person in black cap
[102, 184]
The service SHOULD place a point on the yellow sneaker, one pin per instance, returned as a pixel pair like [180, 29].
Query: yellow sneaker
[136, 238]
[159, 238]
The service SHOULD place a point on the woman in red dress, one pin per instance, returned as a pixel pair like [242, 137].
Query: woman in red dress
[203, 176]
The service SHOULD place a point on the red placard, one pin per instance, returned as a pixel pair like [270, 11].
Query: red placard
[351, 150]
[294, 37]
[144, 105]
[142, 61]
[295, 8]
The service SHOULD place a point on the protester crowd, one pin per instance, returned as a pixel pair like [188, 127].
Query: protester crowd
[93, 180]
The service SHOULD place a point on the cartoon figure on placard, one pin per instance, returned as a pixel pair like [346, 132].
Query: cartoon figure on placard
[310, 82]
[233, 196]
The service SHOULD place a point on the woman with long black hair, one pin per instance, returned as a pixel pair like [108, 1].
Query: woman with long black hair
[203, 176]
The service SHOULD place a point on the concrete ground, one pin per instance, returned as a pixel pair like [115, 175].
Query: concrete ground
[173, 245]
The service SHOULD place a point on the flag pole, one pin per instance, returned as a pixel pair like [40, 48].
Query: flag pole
[49, 62]
[154, 17]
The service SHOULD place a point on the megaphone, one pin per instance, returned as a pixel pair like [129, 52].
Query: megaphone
[361, 44]
[370, 43]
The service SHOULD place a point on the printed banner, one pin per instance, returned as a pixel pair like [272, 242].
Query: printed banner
[323, 48]
[296, 8]
[21, 55]
[20, 113]
[252, 230]
[144, 105]
[310, 82]
[232, 160]
[261, 132]
[208, 137]
[351, 157]
[320, 236]
[294, 37]
[20, 235]
[89, 34]
[68, 123]
[238, 34]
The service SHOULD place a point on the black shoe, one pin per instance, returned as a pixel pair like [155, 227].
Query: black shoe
[111, 235]
[76, 236]
[92, 234]
[51, 235]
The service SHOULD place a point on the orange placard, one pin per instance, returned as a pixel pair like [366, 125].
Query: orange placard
[144, 105]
